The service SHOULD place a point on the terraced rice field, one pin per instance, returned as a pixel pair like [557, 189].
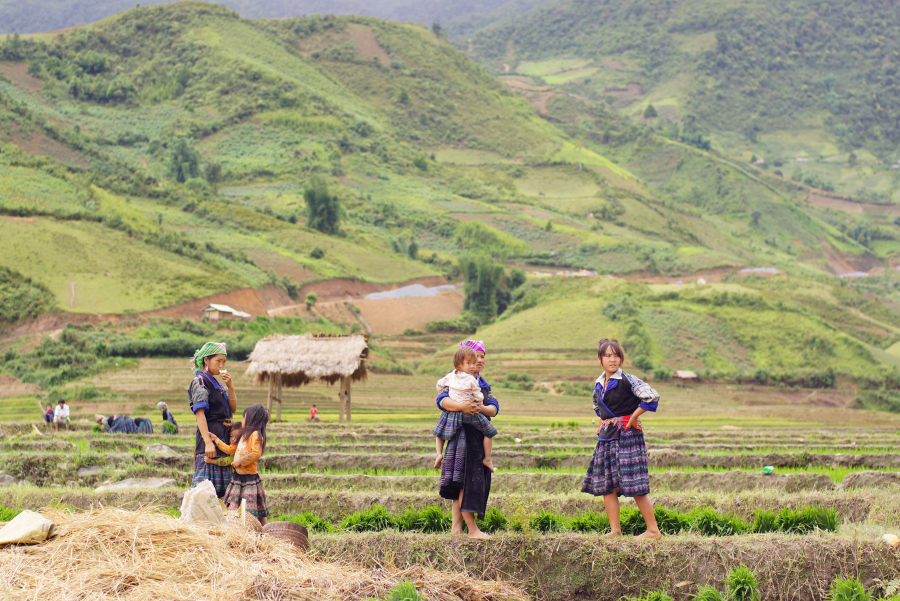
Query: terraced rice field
[707, 448]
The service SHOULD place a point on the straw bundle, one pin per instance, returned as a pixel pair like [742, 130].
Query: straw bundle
[309, 357]
[116, 554]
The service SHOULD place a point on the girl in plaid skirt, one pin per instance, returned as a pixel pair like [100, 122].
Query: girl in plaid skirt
[246, 485]
[619, 465]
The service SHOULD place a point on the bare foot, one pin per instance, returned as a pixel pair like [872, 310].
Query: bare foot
[479, 535]
[456, 530]
[650, 535]
[489, 464]
[438, 461]
[614, 533]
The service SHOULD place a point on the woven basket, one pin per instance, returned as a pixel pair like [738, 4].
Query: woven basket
[293, 533]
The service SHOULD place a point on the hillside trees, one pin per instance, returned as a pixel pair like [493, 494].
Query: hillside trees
[323, 209]
[21, 298]
[482, 281]
[184, 163]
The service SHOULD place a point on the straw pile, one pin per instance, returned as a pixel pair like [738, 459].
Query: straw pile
[309, 357]
[116, 554]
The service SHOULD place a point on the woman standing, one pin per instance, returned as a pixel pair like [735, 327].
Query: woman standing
[465, 480]
[212, 406]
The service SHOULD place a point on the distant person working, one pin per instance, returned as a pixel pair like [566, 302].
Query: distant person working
[314, 414]
[61, 415]
[48, 414]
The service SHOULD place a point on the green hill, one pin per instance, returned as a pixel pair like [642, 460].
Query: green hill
[171, 152]
[779, 80]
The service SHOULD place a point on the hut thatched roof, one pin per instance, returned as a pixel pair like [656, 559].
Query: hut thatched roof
[309, 357]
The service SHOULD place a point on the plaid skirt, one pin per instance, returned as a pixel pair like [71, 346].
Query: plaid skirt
[619, 466]
[450, 423]
[219, 475]
[249, 487]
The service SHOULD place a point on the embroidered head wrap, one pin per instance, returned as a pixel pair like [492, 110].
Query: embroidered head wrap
[475, 345]
[208, 350]
[162, 405]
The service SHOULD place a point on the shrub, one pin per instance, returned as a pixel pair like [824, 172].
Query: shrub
[849, 589]
[708, 593]
[374, 519]
[590, 521]
[654, 596]
[317, 253]
[311, 299]
[494, 521]
[421, 163]
[763, 521]
[517, 381]
[466, 323]
[546, 521]
[709, 523]
[742, 585]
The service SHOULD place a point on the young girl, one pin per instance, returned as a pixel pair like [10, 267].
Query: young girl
[246, 483]
[619, 465]
[463, 387]
[233, 439]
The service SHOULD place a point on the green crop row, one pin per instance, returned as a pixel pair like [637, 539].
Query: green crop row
[741, 585]
[705, 522]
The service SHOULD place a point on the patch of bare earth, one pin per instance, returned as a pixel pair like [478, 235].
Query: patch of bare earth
[366, 44]
[281, 265]
[36, 143]
[840, 204]
[631, 91]
[10, 386]
[18, 74]
[391, 316]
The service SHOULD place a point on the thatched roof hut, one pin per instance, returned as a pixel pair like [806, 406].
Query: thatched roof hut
[308, 358]
[293, 361]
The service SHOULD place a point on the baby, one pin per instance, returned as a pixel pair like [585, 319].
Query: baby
[463, 387]
[233, 439]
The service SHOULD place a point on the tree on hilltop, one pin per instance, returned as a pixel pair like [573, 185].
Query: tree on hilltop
[650, 112]
[323, 209]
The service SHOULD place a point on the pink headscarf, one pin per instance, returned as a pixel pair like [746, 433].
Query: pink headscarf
[475, 345]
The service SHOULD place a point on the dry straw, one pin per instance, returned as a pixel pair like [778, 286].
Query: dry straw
[145, 555]
[309, 357]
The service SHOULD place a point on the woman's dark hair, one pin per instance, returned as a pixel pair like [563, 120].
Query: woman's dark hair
[463, 353]
[256, 417]
[607, 344]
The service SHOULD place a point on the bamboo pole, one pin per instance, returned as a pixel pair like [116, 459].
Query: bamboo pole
[278, 398]
[341, 402]
[271, 394]
[347, 396]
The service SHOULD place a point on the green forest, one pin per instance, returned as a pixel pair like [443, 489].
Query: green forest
[175, 151]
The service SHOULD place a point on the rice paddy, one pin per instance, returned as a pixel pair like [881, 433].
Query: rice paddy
[706, 449]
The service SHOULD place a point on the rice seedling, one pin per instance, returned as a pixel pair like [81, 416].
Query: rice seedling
[404, 591]
[632, 521]
[670, 522]
[806, 520]
[763, 521]
[709, 523]
[6, 514]
[546, 521]
[429, 519]
[308, 520]
[848, 589]
[708, 593]
[742, 585]
[654, 596]
[376, 518]
[494, 521]
[590, 521]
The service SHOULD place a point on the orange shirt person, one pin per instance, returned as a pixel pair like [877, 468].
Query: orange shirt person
[314, 414]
